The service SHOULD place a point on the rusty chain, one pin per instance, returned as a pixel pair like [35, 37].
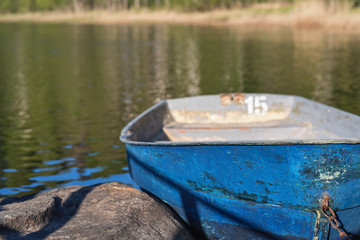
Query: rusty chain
[325, 207]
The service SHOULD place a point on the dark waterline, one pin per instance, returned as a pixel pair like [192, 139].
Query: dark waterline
[67, 90]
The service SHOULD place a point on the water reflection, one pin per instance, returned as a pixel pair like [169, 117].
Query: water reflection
[67, 90]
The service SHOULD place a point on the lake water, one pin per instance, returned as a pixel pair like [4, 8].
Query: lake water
[66, 91]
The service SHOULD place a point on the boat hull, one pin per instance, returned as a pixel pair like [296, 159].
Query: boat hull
[233, 192]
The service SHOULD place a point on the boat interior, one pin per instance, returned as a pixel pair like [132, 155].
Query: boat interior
[243, 118]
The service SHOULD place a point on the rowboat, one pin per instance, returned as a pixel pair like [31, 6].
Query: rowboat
[251, 166]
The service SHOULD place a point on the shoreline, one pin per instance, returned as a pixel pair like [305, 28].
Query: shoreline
[255, 17]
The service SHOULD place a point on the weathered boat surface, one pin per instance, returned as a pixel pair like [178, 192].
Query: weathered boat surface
[250, 166]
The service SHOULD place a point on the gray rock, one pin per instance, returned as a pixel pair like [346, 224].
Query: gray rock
[103, 211]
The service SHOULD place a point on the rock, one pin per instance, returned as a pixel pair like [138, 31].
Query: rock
[31, 215]
[103, 211]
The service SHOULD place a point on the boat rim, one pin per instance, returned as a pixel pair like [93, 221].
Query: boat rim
[240, 143]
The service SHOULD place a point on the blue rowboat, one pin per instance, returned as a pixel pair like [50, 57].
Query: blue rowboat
[251, 166]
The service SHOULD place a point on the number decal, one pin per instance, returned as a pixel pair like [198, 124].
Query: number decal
[256, 105]
[250, 104]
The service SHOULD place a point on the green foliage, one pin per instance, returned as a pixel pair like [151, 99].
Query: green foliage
[15, 6]
[355, 3]
[44, 5]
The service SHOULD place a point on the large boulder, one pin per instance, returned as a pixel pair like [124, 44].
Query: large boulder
[103, 211]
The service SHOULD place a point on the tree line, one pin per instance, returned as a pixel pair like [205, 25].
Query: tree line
[22, 6]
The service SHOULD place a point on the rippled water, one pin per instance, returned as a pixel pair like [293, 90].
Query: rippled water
[66, 91]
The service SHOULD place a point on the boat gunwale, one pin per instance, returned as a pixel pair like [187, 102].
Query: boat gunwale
[125, 134]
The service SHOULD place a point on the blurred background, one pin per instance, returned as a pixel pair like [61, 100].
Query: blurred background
[67, 89]
[190, 5]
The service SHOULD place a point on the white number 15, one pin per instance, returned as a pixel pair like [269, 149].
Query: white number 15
[256, 105]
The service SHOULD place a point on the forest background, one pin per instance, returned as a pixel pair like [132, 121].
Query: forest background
[24, 6]
[310, 14]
